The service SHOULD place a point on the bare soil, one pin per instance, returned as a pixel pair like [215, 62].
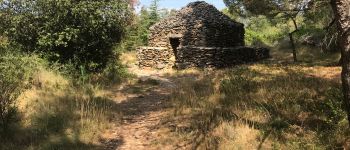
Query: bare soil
[144, 106]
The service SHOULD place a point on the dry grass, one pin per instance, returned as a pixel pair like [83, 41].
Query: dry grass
[128, 58]
[274, 104]
[262, 106]
[236, 136]
[3, 40]
[57, 115]
[307, 55]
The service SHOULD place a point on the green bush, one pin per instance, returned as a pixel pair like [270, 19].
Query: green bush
[15, 74]
[261, 31]
[137, 34]
[82, 31]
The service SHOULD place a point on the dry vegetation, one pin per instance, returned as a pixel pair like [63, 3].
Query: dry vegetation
[273, 104]
[56, 114]
[92, 102]
[267, 105]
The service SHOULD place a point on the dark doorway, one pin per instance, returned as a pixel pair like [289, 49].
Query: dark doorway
[175, 43]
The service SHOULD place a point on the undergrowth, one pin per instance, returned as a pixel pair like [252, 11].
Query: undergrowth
[262, 106]
[53, 106]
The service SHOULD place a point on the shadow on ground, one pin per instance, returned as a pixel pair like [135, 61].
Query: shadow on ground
[297, 102]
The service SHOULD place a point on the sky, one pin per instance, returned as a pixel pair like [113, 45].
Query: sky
[177, 4]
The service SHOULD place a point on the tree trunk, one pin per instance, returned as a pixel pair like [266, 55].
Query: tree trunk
[341, 10]
[291, 38]
[293, 47]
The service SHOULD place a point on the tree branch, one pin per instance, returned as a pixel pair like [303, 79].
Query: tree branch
[329, 25]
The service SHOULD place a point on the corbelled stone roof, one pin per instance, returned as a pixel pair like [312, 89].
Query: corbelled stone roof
[196, 11]
[198, 24]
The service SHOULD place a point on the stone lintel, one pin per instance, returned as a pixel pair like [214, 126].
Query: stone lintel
[157, 48]
[175, 36]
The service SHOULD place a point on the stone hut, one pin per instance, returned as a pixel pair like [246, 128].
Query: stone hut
[198, 35]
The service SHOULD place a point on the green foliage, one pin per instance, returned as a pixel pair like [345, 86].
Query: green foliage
[15, 73]
[114, 73]
[319, 14]
[248, 7]
[266, 7]
[312, 20]
[154, 15]
[333, 106]
[80, 31]
[227, 12]
[261, 31]
[137, 34]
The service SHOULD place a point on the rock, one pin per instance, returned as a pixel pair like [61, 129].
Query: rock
[159, 57]
[161, 66]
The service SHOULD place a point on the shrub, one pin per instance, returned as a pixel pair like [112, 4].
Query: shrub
[15, 72]
[80, 31]
[261, 31]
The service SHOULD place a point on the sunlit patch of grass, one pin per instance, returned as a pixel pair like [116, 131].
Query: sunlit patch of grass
[307, 56]
[128, 58]
[3, 41]
[280, 106]
[236, 135]
[57, 115]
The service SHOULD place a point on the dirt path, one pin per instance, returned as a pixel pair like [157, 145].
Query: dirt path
[144, 106]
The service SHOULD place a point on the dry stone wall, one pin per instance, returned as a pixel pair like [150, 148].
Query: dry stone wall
[198, 24]
[217, 57]
[155, 57]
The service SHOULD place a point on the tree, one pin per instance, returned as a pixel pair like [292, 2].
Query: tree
[163, 13]
[137, 33]
[133, 3]
[153, 14]
[83, 32]
[341, 10]
[285, 9]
